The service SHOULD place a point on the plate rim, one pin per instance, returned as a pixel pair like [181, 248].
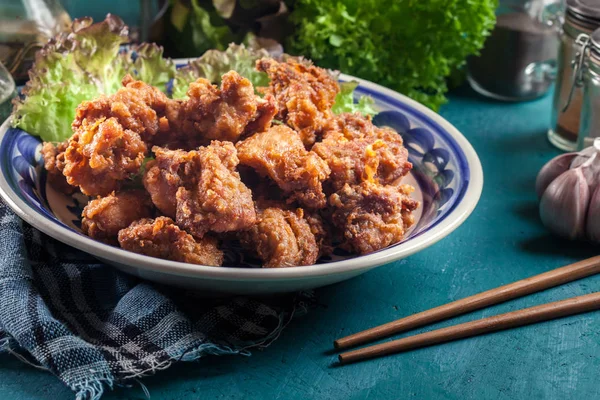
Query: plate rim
[450, 223]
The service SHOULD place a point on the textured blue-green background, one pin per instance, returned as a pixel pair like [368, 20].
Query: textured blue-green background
[501, 242]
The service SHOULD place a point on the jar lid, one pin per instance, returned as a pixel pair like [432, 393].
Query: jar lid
[586, 12]
[595, 41]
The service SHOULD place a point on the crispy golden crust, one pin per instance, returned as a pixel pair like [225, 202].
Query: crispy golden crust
[101, 154]
[281, 238]
[104, 217]
[351, 126]
[161, 238]
[356, 151]
[137, 106]
[170, 170]
[321, 231]
[54, 163]
[372, 216]
[279, 154]
[219, 201]
[304, 95]
[227, 113]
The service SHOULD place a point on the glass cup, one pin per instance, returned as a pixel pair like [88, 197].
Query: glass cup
[25, 26]
[7, 93]
[518, 60]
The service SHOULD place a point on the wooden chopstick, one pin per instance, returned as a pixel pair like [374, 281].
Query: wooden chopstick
[569, 273]
[544, 312]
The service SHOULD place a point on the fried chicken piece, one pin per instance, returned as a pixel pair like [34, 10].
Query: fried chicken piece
[219, 201]
[304, 95]
[161, 238]
[357, 151]
[104, 217]
[227, 113]
[54, 163]
[372, 216]
[170, 170]
[279, 154]
[201, 188]
[321, 232]
[137, 106]
[101, 154]
[350, 125]
[281, 238]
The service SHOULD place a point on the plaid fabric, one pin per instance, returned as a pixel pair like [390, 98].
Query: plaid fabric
[93, 326]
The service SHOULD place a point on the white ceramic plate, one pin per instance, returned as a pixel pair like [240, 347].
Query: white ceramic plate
[447, 176]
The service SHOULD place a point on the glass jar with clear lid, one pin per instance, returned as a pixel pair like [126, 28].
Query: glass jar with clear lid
[589, 128]
[581, 17]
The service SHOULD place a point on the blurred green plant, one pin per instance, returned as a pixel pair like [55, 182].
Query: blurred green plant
[411, 46]
[195, 26]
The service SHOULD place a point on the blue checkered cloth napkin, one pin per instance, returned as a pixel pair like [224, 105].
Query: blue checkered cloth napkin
[94, 327]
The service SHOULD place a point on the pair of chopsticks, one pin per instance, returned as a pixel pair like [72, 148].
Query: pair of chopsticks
[527, 316]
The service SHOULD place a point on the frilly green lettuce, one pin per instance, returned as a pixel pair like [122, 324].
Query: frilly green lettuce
[214, 63]
[149, 65]
[344, 101]
[81, 65]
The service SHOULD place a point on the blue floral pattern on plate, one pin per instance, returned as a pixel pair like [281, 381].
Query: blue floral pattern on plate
[440, 173]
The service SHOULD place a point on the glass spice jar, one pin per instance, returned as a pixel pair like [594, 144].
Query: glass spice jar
[581, 17]
[589, 128]
[518, 60]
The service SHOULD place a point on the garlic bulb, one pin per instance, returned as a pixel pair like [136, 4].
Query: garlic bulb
[569, 190]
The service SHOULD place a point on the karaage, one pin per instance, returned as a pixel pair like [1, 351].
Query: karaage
[219, 201]
[101, 155]
[170, 170]
[304, 95]
[54, 163]
[104, 217]
[137, 106]
[357, 152]
[161, 238]
[281, 238]
[372, 216]
[222, 169]
[279, 154]
[227, 113]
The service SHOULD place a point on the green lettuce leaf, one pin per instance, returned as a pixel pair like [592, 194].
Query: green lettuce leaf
[344, 101]
[214, 63]
[81, 65]
[150, 66]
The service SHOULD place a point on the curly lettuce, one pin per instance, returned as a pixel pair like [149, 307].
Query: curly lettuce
[149, 65]
[81, 65]
[214, 63]
[344, 101]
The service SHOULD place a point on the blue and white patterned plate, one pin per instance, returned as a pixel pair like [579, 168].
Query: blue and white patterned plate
[447, 176]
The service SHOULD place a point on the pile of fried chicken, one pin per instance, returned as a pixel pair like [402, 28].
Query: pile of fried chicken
[280, 173]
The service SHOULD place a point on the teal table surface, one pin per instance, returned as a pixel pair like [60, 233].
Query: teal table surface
[503, 241]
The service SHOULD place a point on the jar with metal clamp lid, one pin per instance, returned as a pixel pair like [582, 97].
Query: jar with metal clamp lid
[581, 17]
[589, 128]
